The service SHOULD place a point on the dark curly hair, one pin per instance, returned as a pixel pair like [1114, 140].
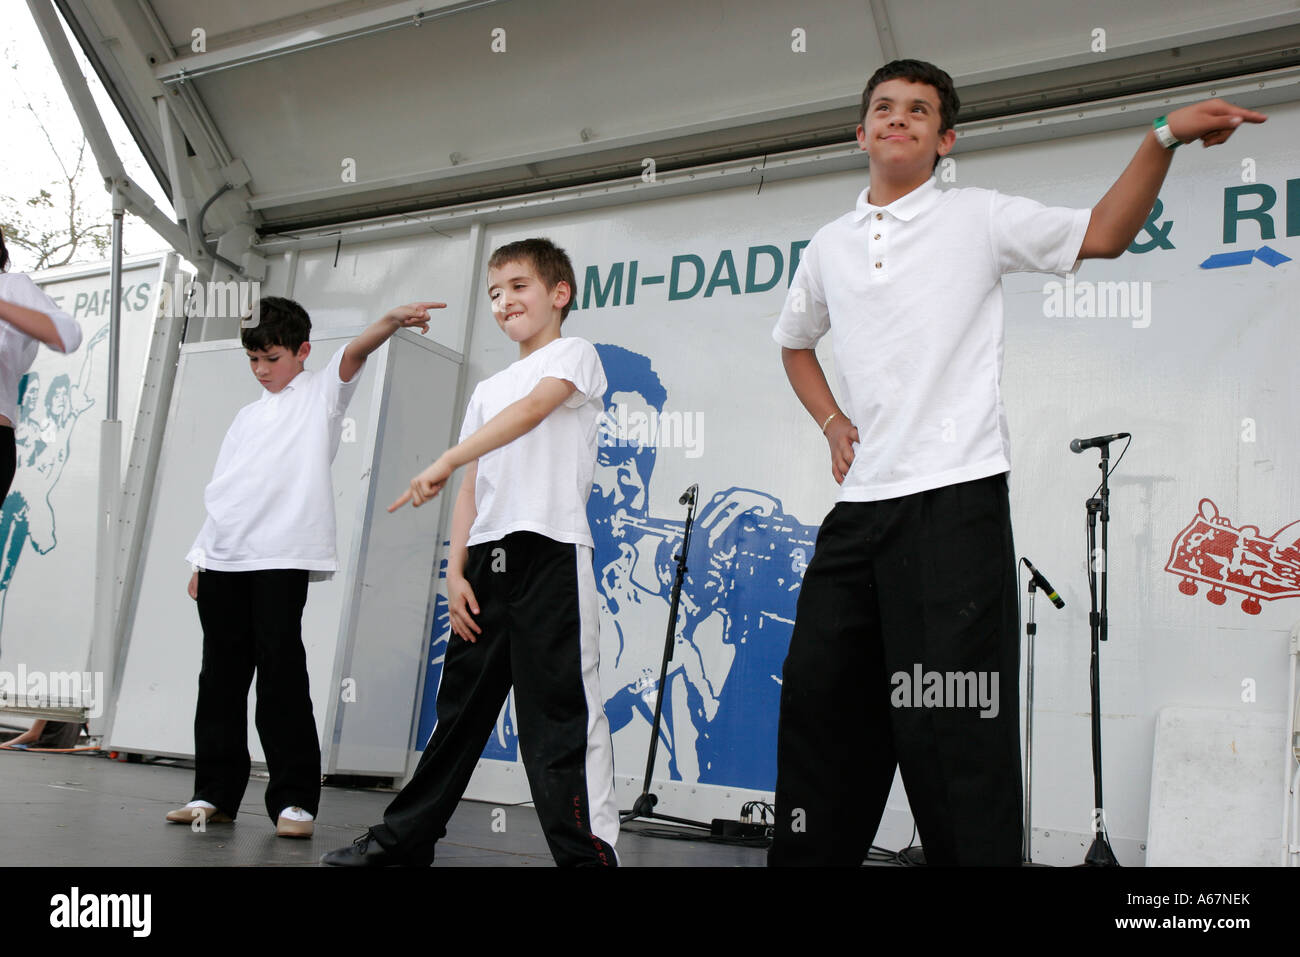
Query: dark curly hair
[280, 322]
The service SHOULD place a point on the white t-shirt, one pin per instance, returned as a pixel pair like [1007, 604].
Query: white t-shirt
[17, 349]
[540, 481]
[912, 296]
[271, 499]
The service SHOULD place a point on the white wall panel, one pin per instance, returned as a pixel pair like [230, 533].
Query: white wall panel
[47, 529]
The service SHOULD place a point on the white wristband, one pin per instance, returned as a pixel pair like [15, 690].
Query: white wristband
[1165, 135]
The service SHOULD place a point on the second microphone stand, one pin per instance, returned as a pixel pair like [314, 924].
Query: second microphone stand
[644, 806]
[1100, 853]
[1036, 583]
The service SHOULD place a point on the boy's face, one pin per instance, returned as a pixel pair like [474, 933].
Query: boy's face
[275, 367]
[901, 130]
[521, 303]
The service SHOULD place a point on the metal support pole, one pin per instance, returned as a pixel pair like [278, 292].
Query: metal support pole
[103, 644]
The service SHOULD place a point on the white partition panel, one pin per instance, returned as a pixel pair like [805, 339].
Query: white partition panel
[48, 520]
[382, 633]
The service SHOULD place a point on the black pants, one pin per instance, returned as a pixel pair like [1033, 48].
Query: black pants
[898, 590]
[538, 616]
[252, 621]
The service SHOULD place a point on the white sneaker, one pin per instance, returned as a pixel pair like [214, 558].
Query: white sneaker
[295, 822]
[198, 811]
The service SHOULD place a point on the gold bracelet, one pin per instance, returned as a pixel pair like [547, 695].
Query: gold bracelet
[828, 421]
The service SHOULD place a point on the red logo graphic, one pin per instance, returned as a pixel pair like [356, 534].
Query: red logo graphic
[1228, 559]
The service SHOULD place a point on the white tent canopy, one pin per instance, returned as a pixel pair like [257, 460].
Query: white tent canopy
[319, 113]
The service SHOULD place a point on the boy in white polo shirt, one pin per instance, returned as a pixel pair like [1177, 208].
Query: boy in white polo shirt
[914, 567]
[520, 585]
[269, 530]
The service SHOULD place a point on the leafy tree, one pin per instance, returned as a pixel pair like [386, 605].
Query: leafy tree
[53, 227]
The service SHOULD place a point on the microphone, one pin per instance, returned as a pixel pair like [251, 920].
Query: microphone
[688, 497]
[1078, 445]
[1044, 584]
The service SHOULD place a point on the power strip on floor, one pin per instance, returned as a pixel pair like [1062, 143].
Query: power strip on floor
[725, 828]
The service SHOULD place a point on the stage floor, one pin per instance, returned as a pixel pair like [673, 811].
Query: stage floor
[83, 810]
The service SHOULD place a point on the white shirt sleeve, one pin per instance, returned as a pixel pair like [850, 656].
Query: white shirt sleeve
[473, 417]
[1029, 237]
[337, 393]
[575, 361]
[23, 292]
[804, 317]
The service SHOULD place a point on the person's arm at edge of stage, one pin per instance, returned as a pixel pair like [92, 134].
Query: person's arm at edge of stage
[380, 331]
[507, 425]
[809, 384]
[30, 736]
[1119, 215]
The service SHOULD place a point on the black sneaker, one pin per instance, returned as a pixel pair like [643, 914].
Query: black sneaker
[365, 851]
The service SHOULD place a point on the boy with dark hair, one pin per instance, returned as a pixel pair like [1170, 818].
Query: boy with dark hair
[269, 531]
[280, 322]
[917, 71]
[914, 567]
[520, 561]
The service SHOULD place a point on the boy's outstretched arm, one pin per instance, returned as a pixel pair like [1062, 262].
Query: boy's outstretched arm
[379, 332]
[504, 427]
[1126, 205]
[809, 384]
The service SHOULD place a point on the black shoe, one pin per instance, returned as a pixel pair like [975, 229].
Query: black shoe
[365, 851]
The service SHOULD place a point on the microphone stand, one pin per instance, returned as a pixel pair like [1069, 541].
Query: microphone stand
[644, 806]
[1031, 629]
[1100, 853]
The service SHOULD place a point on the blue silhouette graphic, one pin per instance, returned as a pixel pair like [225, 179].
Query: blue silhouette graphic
[737, 607]
[736, 614]
[43, 447]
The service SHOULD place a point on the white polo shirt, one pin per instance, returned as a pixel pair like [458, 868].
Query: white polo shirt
[271, 499]
[912, 296]
[17, 349]
[540, 481]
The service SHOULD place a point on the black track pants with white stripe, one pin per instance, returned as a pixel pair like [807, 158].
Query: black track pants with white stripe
[538, 614]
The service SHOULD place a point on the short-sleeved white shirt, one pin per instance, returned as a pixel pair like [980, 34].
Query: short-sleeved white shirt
[540, 481]
[911, 294]
[271, 499]
[17, 349]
